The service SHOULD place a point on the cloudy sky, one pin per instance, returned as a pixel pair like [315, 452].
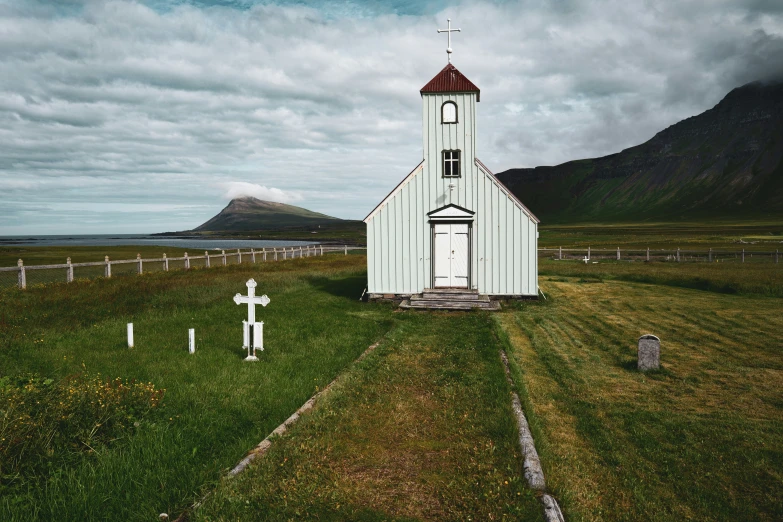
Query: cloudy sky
[121, 116]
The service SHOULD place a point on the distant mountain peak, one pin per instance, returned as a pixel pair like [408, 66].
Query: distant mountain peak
[249, 213]
[725, 161]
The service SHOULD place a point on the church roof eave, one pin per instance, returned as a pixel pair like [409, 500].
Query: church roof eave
[505, 189]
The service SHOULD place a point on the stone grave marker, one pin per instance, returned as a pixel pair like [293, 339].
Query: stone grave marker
[649, 353]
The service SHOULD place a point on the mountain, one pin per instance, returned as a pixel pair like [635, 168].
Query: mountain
[247, 213]
[726, 162]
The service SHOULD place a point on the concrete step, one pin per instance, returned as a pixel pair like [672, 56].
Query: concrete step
[451, 296]
[438, 304]
[450, 291]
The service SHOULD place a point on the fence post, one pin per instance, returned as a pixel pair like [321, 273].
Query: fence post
[588, 253]
[263, 251]
[22, 275]
[322, 249]
[300, 253]
[187, 261]
[275, 250]
[346, 250]
[224, 257]
[69, 273]
[618, 253]
[253, 256]
[206, 258]
[138, 259]
[165, 262]
[648, 253]
[710, 256]
[743, 255]
[107, 269]
[560, 256]
[678, 254]
[239, 256]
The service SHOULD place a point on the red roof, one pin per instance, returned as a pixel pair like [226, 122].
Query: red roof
[451, 80]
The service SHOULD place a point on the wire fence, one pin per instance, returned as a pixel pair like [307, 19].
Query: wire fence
[676, 256]
[23, 276]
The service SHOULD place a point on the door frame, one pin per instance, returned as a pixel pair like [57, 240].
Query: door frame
[469, 223]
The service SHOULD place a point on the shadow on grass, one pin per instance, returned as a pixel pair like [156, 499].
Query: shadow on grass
[349, 287]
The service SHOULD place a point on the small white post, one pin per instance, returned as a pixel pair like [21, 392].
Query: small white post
[239, 256]
[560, 257]
[588, 253]
[648, 253]
[322, 249]
[285, 254]
[253, 256]
[107, 268]
[678, 254]
[69, 273]
[206, 258]
[263, 253]
[275, 253]
[300, 252]
[165, 263]
[138, 260]
[191, 340]
[130, 335]
[187, 261]
[22, 275]
[346, 250]
[618, 253]
[743, 255]
[224, 257]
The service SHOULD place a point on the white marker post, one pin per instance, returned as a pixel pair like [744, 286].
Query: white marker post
[130, 335]
[191, 340]
[257, 329]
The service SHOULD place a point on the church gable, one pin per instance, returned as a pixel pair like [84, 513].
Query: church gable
[451, 212]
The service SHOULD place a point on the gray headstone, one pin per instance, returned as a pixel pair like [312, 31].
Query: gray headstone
[649, 353]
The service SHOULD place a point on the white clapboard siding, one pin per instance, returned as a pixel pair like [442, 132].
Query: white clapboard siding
[399, 233]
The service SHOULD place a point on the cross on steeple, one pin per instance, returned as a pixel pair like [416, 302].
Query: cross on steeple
[448, 32]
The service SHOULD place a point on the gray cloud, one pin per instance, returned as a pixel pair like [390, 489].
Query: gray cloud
[117, 116]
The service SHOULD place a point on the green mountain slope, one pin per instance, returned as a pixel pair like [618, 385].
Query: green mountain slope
[245, 214]
[724, 163]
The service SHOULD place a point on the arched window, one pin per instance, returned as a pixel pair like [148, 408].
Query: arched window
[449, 112]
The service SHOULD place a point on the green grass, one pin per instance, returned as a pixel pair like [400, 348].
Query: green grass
[730, 278]
[717, 234]
[421, 429]
[699, 439]
[54, 255]
[215, 407]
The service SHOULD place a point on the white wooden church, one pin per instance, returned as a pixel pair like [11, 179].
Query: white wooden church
[450, 224]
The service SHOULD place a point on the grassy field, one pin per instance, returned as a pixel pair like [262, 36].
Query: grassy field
[421, 430]
[51, 255]
[728, 278]
[698, 440]
[215, 406]
[730, 235]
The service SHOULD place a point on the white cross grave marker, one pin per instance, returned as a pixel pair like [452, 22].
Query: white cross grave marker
[257, 339]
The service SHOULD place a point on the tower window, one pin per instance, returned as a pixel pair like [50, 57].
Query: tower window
[449, 112]
[451, 163]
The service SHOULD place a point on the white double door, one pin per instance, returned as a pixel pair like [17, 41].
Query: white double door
[451, 255]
